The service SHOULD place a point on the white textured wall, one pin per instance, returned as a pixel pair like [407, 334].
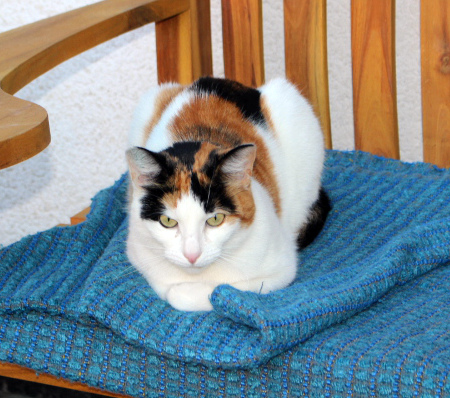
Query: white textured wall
[90, 100]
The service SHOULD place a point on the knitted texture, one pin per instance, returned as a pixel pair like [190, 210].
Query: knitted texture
[367, 313]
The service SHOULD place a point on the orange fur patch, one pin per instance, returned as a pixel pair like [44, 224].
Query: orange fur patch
[181, 182]
[202, 156]
[245, 204]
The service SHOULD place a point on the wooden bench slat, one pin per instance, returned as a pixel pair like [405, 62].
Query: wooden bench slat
[243, 41]
[435, 60]
[174, 47]
[184, 43]
[374, 80]
[201, 38]
[305, 34]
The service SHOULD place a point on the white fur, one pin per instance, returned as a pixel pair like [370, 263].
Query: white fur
[298, 152]
[259, 258]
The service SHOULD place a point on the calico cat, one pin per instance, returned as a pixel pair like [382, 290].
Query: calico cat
[226, 186]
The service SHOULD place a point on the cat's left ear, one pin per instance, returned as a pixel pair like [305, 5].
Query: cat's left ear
[144, 166]
[238, 163]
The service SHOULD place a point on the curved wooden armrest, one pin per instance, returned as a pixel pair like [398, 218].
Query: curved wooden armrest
[30, 51]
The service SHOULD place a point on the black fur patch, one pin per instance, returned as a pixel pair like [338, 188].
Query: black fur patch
[247, 99]
[213, 195]
[316, 220]
[184, 152]
[210, 166]
[152, 206]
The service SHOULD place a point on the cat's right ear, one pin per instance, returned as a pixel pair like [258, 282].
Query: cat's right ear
[144, 166]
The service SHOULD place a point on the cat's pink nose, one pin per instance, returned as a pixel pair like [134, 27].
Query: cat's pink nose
[192, 257]
[192, 249]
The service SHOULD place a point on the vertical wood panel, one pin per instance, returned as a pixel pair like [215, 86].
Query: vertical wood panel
[243, 41]
[435, 55]
[374, 82]
[305, 34]
[201, 38]
[174, 49]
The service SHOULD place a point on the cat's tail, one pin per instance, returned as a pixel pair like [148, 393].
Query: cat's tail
[316, 220]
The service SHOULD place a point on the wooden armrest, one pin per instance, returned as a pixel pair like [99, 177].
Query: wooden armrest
[30, 51]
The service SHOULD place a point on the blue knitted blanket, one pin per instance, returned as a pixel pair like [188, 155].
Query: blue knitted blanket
[390, 223]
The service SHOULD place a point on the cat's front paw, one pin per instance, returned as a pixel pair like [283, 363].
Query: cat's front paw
[190, 296]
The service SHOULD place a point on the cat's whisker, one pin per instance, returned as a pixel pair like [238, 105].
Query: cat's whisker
[229, 258]
[156, 261]
[127, 271]
[209, 188]
[156, 248]
[227, 254]
[209, 193]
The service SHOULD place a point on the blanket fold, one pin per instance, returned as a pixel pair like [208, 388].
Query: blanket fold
[390, 222]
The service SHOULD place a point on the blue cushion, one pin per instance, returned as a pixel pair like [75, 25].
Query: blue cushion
[366, 314]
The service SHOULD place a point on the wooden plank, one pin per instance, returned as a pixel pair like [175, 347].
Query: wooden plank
[174, 49]
[29, 51]
[77, 218]
[243, 41]
[24, 130]
[23, 373]
[80, 217]
[374, 81]
[435, 60]
[183, 44]
[305, 35]
[201, 38]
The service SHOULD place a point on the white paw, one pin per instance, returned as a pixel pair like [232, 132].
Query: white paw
[190, 296]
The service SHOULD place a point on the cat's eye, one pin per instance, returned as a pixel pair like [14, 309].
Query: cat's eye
[167, 222]
[216, 220]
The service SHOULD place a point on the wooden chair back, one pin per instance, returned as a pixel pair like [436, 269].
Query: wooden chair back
[373, 65]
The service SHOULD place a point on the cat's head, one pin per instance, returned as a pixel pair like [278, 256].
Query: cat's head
[192, 198]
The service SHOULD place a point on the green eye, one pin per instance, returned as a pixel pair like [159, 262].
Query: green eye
[167, 222]
[216, 220]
